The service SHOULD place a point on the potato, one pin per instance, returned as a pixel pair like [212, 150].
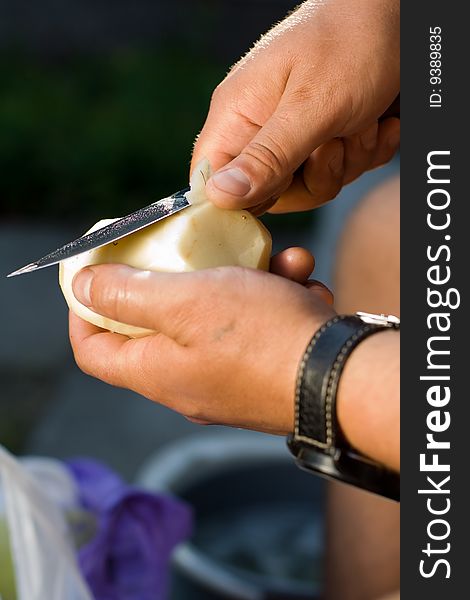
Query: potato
[198, 237]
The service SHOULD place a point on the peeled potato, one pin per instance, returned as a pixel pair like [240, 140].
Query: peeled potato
[198, 237]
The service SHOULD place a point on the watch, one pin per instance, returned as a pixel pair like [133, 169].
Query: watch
[317, 442]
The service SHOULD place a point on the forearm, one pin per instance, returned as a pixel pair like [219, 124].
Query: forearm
[368, 404]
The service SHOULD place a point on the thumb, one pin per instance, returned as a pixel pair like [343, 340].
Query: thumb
[265, 167]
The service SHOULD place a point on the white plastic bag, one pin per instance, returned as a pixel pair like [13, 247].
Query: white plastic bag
[42, 551]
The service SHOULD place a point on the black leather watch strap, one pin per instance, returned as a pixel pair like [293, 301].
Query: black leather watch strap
[317, 441]
[318, 378]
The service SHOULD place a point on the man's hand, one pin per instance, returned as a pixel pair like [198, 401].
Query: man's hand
[227, 344]
[298, 117]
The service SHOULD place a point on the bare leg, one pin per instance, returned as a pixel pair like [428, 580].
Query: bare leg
[363, 529]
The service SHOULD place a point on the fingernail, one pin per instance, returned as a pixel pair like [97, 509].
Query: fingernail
[394, 139]
[81, 286]
[232, 181]
[336, 164]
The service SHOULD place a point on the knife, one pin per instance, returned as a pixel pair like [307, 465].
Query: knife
[114, 231]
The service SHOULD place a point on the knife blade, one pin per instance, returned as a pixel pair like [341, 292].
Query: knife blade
[114, 231]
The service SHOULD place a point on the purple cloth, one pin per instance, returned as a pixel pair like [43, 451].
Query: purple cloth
[129, 557]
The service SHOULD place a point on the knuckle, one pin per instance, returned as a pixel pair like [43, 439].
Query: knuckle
[218, 94]
[302, 93]
[382, 160]
[334, 189]
[269, 155]
[103, 298]
[120, 297]
[111, 296]
[82, 362]
[324, 189]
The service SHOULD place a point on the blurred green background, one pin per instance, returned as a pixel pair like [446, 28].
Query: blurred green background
[100, 102]
[99, 136]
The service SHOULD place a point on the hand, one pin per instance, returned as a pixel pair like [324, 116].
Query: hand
[297, 117]
[228, 344]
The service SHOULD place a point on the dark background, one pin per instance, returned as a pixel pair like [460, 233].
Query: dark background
[100, 101]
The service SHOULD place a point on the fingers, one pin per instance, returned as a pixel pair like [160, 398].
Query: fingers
[372, 148]
[137, 364]
[85, 339]
[320, 289]
[388, 142]
[264, 167]
[224, 135]
[296, 264]
[256, 163]
[359, 151]
[318, 181]
[263, 207]
[142, 298]
[338, 162]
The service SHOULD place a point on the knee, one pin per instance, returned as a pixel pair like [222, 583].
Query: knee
[367, 274]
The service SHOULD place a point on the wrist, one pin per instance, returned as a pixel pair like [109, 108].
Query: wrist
[367, 403]
[289, 383]
[343, 447]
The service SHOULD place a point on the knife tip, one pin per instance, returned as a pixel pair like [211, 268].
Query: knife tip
[26, 269]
